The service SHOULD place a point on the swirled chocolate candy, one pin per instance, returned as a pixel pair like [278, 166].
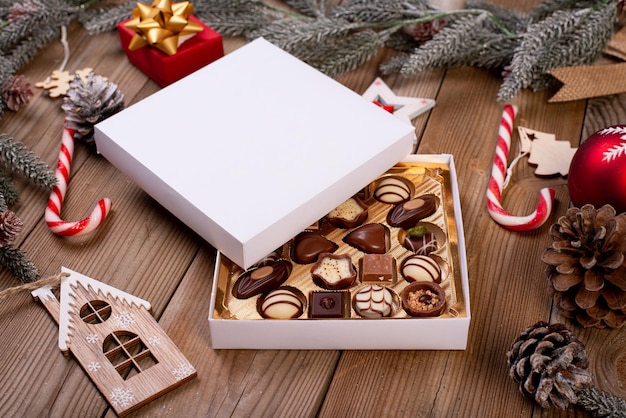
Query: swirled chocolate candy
[328, 304]
[423, 243]
[349, 214]
[406, 215]
[374, 301]
[283, 303]
[333, 271]
[308, 245]
[421, 299]
[261, 279]
[420, 268]
[369, 238]
[378, 268]
[393, 190]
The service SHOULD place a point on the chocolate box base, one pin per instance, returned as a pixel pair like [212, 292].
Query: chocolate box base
[447, 332]
[193, 54]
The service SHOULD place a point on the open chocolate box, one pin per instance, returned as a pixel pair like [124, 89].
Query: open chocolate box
[404, 245]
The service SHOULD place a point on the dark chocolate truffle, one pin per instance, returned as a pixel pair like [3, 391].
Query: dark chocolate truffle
[327, 304]
[406, 215]
[422, 299]
[261, 279]
[308, 245]
[369, 238]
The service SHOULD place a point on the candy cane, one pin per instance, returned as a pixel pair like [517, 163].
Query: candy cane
[53, 210]
[499, 178]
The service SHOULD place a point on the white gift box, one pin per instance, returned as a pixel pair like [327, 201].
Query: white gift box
[253, 148]
[234, 327]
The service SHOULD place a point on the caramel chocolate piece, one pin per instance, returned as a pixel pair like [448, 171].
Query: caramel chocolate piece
[262, 278]
[406, 215]
[283, 303]
[369, 238]
[308, 245]
[327, 304]
[374, 301]
[378, 268]
[393, 190]
[420, 268]
[350, 214]
[420, 299]
[333, 271]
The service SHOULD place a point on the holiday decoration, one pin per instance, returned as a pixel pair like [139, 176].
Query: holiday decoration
[116, 340]
[87, 103]
[17, 93]
[586, 271]
[597, 174]
[58, 84]
[499, 179]
[550, 364]
[586, 81]
[164, 25]
[549, 155]
[405, 108]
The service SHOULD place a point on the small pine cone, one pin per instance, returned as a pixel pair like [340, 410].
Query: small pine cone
[89, 102]
[550, 365]
[586, 266]
[17, 93]
[423, 32]
[10, 227]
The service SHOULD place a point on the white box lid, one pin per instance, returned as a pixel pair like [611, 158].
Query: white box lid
[253, 148]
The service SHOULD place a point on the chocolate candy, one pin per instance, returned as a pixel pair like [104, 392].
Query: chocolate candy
[369, 238]
[374, 301]
[283, 303]
[333, 271]
[406, 215]
[420, 268]
[350, 214]
[262, 278]
[393, 190]
[326, 304]
[420, 299]
[378, 268]
[307, 246]
[421, 244]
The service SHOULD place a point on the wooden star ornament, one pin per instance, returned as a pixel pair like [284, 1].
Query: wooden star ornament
[405, 108]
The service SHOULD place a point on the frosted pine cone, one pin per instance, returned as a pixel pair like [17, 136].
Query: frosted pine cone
[586, 267]
[89, 102]
[550, 365]
[17, 93]
[10, 227]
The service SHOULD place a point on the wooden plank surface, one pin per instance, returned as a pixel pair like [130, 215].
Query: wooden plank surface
[147, 252]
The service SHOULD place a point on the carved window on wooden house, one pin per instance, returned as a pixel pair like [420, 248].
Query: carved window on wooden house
[128, 353]
[95, 312]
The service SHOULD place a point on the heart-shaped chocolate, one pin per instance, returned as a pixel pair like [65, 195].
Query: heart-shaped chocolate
[369, 238]
[308, 245]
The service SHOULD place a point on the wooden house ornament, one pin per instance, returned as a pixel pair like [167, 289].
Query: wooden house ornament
[116, 340]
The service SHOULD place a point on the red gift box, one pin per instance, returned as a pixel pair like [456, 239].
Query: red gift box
[193, 54]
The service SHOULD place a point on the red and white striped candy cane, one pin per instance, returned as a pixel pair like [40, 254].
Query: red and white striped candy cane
[53, 210]
[499, 177]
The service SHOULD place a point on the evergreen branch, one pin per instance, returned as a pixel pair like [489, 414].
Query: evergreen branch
[9, 193]
[105, 19]
[381, 11]
[19, 159]
[236, 17]
[308, 8]
[18, 263]
[600, 403]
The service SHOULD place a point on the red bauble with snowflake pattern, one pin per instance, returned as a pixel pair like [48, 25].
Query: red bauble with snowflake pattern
[597, 174]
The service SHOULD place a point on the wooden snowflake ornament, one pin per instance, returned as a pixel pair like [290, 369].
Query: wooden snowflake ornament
[116, 340]
[405, 108]
[58, 84]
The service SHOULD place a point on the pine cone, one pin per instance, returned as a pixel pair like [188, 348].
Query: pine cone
[89, 102]
[550, 365]
[17, 93]
[10, 227]
[586, 266]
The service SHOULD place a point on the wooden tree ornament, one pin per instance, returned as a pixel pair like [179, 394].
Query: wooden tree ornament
[116, 340]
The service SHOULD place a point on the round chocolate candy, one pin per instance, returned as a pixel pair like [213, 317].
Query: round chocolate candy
[333, 271]
[350, 214]
[393, 190]
[421, 299]
[308, 245]
[286, 302]
[369, 238]
[420, 268]
[374, 301]
[406, 215]
[261, 279]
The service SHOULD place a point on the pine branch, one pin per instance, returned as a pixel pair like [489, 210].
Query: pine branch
[19, 159]
[600, 403]
[236, 17]
[98, 20]
[308, 8]
[381, 11]
[18, 263]
[9, 193]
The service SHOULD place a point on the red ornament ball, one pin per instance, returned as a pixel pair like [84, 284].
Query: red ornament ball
[597, 174]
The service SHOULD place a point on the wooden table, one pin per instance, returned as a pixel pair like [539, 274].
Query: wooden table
[147, 252]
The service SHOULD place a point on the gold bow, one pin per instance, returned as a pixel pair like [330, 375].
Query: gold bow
[164, 25]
